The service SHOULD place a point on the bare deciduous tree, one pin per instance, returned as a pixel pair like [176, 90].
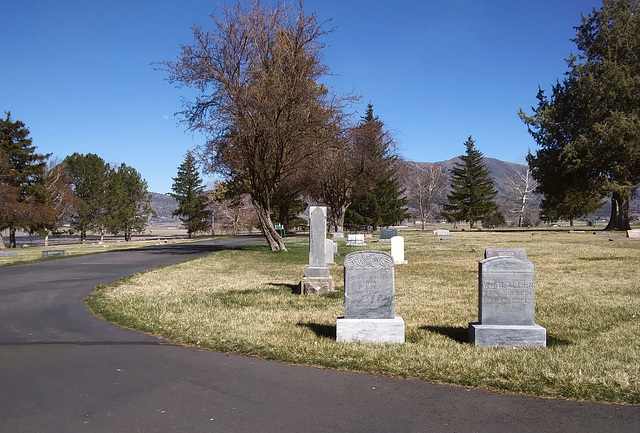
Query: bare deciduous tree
[427, 191]
[359, 159]
[232, 211]
[520, 186]
[260, 103]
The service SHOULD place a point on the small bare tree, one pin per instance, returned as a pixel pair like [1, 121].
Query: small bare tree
[427, 190]
[520, 186]
[260, 103]
[232, 211]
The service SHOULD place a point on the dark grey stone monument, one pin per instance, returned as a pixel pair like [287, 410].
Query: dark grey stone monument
[506, 304]
[317, 277]
[519, 253]
[387, 234]
[369, 300]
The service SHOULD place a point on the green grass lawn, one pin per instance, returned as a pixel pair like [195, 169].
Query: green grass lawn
[241, 301]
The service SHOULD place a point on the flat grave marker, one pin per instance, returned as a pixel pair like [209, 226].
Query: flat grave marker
[48, 253]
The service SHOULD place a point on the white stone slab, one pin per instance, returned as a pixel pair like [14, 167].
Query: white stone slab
[635, 233]
[441, 232]
[397, 250]
[370, 330]
[507, 335]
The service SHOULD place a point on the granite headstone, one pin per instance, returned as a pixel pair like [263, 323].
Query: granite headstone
[387, 234]
[506, 304]
[369, 300]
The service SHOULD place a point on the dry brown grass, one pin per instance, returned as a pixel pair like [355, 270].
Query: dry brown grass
[587, 292]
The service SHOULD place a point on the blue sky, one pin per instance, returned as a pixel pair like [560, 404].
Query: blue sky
[79, 73]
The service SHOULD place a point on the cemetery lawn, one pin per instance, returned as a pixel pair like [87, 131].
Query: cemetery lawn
[240, 301]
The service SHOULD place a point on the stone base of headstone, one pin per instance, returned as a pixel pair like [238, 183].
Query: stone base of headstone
[507, 335]
[317, 272]
[315, 286]
[385, 241]
[370, 330]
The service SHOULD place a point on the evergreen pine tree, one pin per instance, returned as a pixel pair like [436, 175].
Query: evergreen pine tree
[23, 176]
[472, 190]
[381, 201]
[192, 202]
[588, 129]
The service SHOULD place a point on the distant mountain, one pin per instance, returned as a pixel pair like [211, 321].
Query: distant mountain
[164, 205]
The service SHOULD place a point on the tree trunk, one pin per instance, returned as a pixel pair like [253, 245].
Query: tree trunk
[339, 218]
[12, 237]
[271, 235]
[619, 213]
[2, 246]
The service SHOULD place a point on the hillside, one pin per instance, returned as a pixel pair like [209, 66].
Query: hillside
[164, 205]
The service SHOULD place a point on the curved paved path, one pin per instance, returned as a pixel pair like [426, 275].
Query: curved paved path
[63, 370]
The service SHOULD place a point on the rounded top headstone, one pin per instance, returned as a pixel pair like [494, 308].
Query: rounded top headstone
[368, 259]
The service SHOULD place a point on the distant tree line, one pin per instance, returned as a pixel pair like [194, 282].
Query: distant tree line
[82, 190]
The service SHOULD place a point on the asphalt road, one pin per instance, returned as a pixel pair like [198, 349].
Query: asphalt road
[64, 370]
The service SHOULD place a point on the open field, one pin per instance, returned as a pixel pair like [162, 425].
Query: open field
[241, 301]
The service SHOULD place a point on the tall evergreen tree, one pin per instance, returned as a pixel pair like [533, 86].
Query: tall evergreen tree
[188, 190]
[89, 182]
[589, 129]
[23, 181]
[472, 190]
[128, 203]
[378, 198]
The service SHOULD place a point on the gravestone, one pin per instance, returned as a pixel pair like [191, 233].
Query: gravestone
[317, 278]
[47, 253]
[355, 241]
[441, 232]
[387, 234]
[331, 249]
[338, 235]
[369, 300]
[635, 233]
[397, 250]
[8, 253]
[506, 304]
[519, 253]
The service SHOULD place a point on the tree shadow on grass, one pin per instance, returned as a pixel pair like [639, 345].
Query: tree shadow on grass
[456, 333]
[322, 331]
